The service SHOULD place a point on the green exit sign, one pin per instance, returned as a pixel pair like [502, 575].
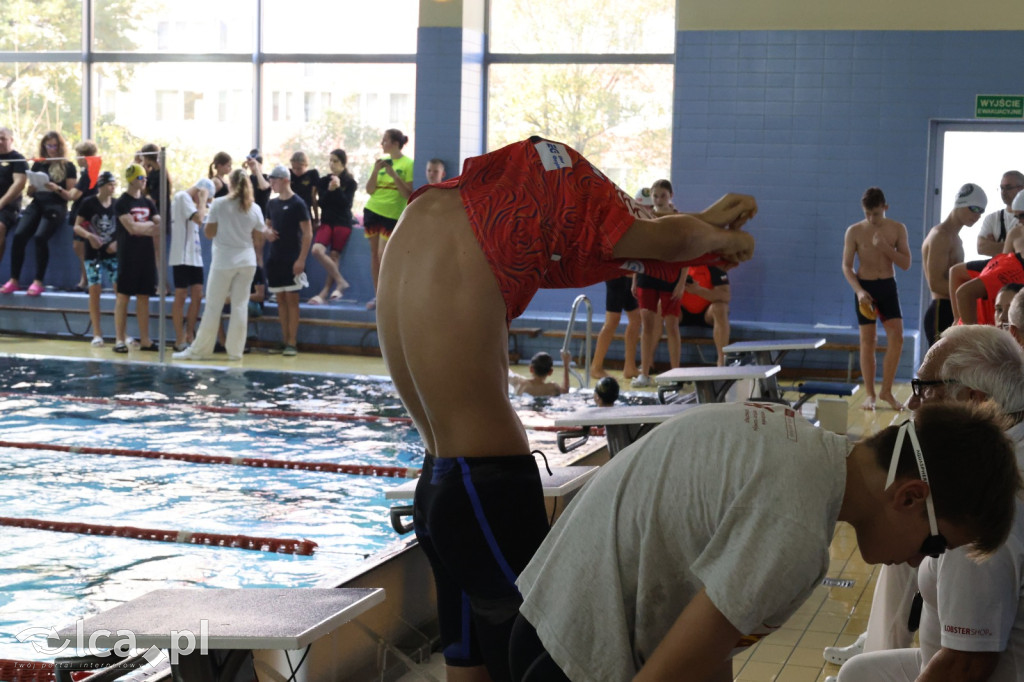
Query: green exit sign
[999, 106]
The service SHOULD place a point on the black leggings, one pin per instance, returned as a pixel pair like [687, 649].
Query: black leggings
[41, 221]
[528, 659]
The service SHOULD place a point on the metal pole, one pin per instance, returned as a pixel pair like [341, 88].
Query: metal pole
[161, 256]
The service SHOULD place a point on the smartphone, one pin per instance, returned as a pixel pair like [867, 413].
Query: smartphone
[389, 162]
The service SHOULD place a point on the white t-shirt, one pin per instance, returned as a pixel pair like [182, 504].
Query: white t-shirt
[740, 499]
[232, 245]
[990, 224]
[186, 249]
[980, 605]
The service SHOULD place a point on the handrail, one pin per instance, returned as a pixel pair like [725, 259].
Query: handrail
[585, 379]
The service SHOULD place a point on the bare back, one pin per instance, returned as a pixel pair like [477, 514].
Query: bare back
[942, 249]
[442, 330]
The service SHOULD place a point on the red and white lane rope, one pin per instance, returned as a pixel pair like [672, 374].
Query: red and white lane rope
[258, 462]
[259, 544]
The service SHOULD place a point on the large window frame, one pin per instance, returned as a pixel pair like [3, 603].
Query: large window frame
[88, 56]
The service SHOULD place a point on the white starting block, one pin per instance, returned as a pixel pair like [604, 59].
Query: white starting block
[236, 620]
[623, 424]
[712, 383]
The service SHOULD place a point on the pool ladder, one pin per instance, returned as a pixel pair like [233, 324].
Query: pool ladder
[581, 299]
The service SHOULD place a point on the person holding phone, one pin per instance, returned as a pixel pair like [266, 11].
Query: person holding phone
[389, 187]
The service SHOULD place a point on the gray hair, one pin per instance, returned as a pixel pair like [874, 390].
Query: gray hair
[1017, 311]
[990, 360]
[5, 129]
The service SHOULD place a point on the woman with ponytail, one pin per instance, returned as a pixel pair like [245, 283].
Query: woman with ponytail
[218, 172]
[235, 225]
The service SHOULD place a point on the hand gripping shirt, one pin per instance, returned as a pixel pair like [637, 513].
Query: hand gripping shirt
[546, 218]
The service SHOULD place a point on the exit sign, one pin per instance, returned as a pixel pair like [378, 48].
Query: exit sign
[999, 106]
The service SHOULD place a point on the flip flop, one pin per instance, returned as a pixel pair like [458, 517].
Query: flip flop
[120, 347]
[316, 300]
[335, 295]
[151, 347]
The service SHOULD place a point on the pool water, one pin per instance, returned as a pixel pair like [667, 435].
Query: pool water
[50, 579]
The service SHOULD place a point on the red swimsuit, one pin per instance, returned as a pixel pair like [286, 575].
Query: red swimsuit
[546, 218]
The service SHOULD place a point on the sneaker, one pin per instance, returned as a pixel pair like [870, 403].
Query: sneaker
[97, 342]
[642, 381]
[831, 678]
[290, 351]
[841, 654]
[189, 354]
[179, 347]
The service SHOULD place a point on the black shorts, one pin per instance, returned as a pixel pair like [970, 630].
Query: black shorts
[479, 520]
[279, 270]
[976, 265]
[135, 279]
[618, 297]
[688, 319]
[9, 216]
[887, 299]
[375, 223]
[937, 319]
[187, 276]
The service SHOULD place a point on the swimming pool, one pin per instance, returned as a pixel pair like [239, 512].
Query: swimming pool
[49, 578]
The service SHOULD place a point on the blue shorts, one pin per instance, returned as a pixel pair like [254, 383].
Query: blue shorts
[94, 270]
[479, 520]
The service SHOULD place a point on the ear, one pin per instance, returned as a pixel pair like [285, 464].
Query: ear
[909, 493]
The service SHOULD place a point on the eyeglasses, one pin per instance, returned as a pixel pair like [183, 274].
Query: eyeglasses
[976, 209]
[918, 386]
[1006, 188]
[935, 544]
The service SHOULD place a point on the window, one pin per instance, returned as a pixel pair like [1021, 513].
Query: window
[380, 27]
[188, 26]
[617, 114]
[308, 102]
[400, 109]
[190, 104]
[165, 101]
[51, 26]
[30, 106]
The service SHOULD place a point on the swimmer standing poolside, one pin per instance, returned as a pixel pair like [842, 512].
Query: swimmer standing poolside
[878, 242]
[465, 259]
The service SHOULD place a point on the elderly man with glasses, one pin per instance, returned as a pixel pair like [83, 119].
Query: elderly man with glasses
[972, 626]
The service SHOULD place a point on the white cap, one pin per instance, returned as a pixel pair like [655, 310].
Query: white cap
[971, 196]
[643, 197]
[1018, 202]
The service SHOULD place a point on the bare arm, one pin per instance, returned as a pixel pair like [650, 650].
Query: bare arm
[988, 246]
[901, 258]
[849, 251]
[307, 241]
[696, 647]
[721, 293]
[210, 230]
[371, 182]
[681, 237]
[15, 190]
[145, 229]
[966, 295]
[950, 665]
[1010, 245]
[404, 188]
[200, 215]
[936, 266]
